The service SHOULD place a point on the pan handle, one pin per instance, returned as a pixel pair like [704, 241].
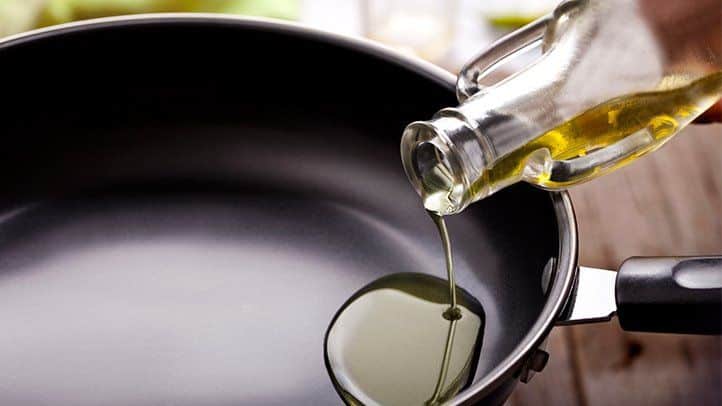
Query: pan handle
[652, 294]
[670, 295]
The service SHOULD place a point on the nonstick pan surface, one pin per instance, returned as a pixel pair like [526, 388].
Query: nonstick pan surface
[187, 201]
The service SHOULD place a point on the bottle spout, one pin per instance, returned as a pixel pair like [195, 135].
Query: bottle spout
[438, 157]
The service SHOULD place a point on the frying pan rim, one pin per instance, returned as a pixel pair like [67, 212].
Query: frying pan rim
[566, 261]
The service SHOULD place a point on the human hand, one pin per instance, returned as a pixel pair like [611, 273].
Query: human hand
[683, 47]
[713, 115]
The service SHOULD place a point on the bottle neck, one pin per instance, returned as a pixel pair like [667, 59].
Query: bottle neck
[443, 158]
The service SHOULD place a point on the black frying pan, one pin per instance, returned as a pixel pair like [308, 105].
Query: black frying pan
[187, 200]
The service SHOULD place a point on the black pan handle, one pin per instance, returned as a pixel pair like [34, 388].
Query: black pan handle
[670, 294]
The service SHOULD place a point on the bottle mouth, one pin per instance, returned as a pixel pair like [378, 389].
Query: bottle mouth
[432, 168]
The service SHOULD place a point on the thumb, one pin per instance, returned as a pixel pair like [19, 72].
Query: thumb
[712, 115]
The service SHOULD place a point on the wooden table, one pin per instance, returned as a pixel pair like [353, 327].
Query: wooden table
[669, 203]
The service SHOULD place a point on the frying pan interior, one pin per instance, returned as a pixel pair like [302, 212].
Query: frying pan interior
[186, 203]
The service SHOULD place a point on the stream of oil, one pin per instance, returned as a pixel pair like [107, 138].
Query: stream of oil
[406, 338]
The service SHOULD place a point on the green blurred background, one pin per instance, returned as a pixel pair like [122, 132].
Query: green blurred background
[446, 32]
[21, 15]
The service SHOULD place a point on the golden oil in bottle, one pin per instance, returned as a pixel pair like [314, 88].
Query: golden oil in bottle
[626, 127]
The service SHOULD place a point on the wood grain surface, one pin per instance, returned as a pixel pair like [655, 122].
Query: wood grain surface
[668, 203]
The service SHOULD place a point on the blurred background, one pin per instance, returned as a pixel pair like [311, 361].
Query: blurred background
[446, 32]
[630, 212]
